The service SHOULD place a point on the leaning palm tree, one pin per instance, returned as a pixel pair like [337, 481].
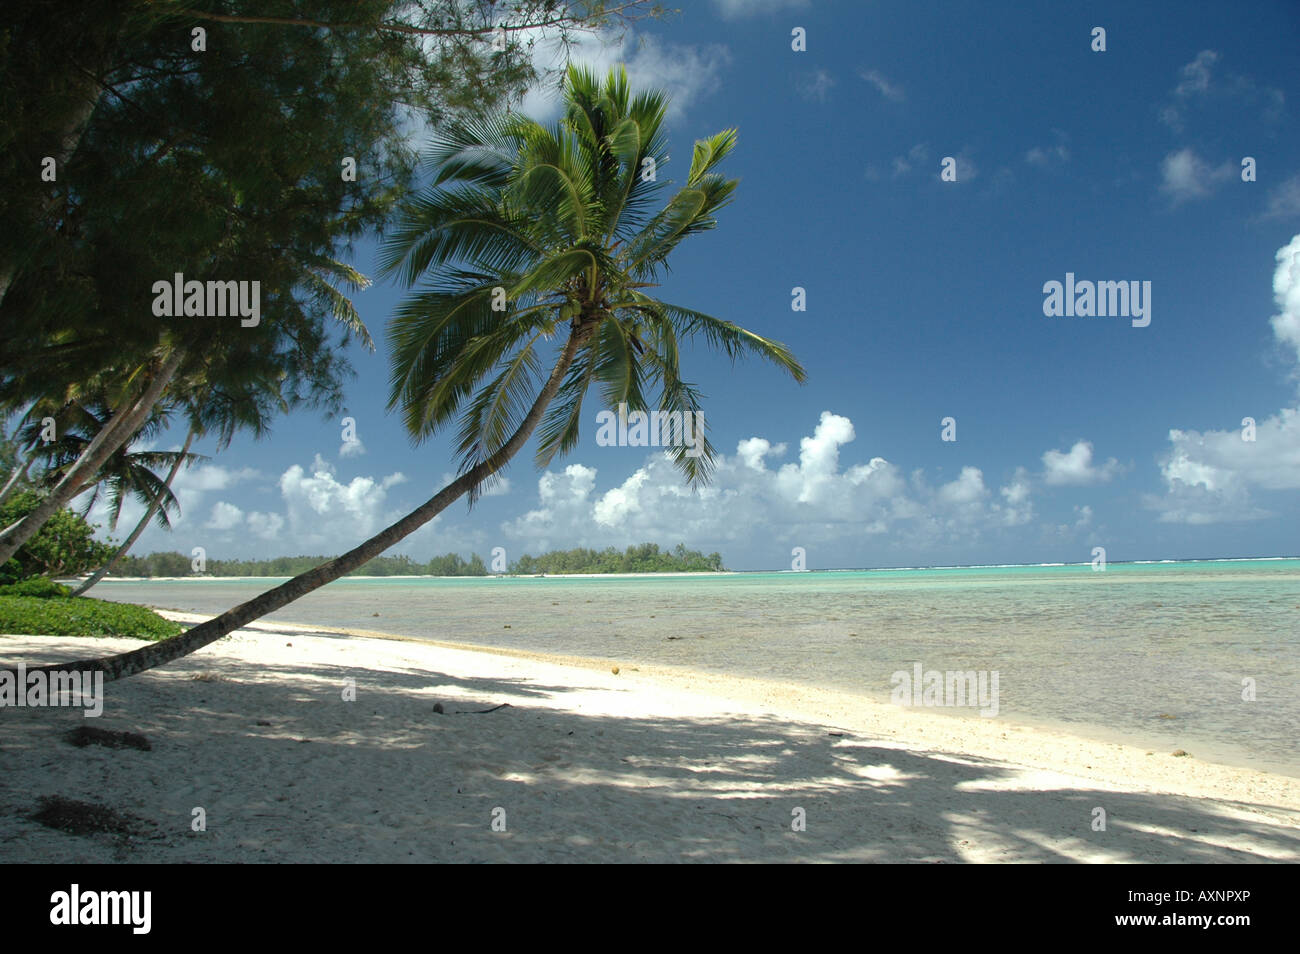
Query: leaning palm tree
[530, 237]
[155, 510]
[126, 473]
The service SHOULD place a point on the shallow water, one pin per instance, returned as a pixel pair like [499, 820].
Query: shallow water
[1152, 654]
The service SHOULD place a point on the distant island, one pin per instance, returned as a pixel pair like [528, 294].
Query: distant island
[641, 558]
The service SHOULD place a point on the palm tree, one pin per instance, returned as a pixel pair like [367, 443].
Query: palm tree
[560, 220]
[157, 508]
[125, 473]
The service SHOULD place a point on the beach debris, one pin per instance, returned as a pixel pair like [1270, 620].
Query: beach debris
[263, 721]
[85, 818]
[614, 670]
[1179, 754]
[205, 677]
[1164, 715]
[507, 626]
[437, 707]
[503, 705]
[289, 644]
[374, 614]
[85, 735]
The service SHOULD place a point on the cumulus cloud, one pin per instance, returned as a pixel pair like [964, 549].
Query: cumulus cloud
[1286, 292]
[1019, 508]
[497, 486]
[352, 449]
[1209, 475]
[266, 526]
[1185, 176]
[224, 516]
[756, 499]
[1075, 467]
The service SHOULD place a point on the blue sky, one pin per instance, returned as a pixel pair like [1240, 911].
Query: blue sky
[924, 301]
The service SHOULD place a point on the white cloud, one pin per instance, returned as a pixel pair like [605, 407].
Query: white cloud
[891, 91]
[1075, 467]
[1209, 475]
[816, 86]
[735, 9]
[1286, 292]
[1053, 155]
[917, 154]
[352, 449]
[1284, 200]
[967, 489]
[757, 503]
[685, 73]
[1195, 76]
[1019, 508]
[494, 487]
[205, 477]
[1198, 82]
[1184, 176]
[267, 526]
[1193, 80]
[224, 516]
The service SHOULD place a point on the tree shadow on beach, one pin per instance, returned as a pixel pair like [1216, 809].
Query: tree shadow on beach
[285, 770]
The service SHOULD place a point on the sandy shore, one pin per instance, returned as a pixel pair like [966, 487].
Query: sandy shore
[583, 764]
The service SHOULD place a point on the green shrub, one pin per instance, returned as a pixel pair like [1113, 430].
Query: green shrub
[82, 616]
[65, 545]
[37, 586]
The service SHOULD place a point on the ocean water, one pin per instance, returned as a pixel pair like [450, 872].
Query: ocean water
[1152, 654]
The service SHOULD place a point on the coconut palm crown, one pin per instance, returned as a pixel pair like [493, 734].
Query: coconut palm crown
[526, 227]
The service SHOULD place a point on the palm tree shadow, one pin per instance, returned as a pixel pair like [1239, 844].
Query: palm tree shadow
[287, 771]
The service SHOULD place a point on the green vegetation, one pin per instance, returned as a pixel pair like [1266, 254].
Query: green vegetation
[81, 616]
[65, 545]
[37, 586]
[643, 558]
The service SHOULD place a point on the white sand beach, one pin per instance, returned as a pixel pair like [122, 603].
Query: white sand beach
[582, 764]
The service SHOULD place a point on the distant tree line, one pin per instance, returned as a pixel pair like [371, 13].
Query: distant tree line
[642, 558]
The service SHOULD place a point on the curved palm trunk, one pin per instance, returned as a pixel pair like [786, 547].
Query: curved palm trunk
[104, 570]
[160, 653]
[111, 437]
[18, 474]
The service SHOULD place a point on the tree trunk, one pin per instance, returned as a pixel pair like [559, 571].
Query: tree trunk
[160, 653]
[103, 571]
[120, 428]
[19, 472]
